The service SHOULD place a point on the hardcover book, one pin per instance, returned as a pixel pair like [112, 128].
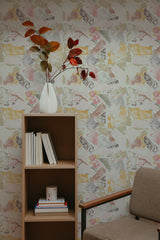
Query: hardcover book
[44, 201]
[49, 148]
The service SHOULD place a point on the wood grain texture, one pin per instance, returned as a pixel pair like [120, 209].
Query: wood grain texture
[105, 199]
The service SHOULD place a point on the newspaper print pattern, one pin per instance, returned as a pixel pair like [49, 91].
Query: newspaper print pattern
[118, 111]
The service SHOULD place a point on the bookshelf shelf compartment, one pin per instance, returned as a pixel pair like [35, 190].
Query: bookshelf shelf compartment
[49, 230]
[62, 129]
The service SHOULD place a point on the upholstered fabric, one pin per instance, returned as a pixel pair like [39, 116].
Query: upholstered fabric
[122, 229]
[145, 198]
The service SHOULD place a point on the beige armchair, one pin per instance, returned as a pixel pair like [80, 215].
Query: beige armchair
[144, 205]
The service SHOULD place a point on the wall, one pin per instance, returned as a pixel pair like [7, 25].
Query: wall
[118, 112]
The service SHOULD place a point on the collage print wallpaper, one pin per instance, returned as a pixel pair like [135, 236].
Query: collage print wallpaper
[118, 111]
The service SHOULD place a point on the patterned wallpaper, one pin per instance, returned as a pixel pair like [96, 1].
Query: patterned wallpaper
[118, 111]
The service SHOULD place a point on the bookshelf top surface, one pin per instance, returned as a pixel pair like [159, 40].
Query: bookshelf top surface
[49, 114]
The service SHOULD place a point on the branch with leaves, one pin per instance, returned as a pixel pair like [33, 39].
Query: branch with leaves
[44, 48]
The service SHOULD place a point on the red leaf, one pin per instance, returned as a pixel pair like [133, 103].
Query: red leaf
[64, 66]
[28, 23]
[74, 52]
[39, 40]
[83, 74]
[92, 75]
[29, 32]
[43, 30]
[73, 61]
[76, 42]
[70, 43]
[79, 61]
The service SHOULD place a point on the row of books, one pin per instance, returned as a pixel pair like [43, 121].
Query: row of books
[45, 207]
[39, 146]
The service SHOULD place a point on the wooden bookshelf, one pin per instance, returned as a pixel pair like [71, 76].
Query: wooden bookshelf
[63, 131]
[30, 217]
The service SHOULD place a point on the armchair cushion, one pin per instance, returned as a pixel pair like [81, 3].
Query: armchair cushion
[145, 197]
[125, 228]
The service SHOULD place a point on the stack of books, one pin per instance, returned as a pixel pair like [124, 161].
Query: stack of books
[45, 207]
[39, 146]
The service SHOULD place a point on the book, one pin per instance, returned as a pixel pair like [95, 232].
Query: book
[40, 148]
[49, 148]
[39, 152]
[52, 149]
[46, 148]
[54, 206]
[34, 153]
[27, 148]
[51, 204]
[44, 201]
[43, 205]
[34, 148]
[31, 144]
[50, 209]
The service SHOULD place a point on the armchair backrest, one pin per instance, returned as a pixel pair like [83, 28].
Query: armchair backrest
[145, 197]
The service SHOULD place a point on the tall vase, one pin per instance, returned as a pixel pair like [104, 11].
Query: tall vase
[48, 99]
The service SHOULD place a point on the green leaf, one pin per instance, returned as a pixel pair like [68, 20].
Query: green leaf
[34, 49]
[44, 65]
[49, 67]
[43, 56]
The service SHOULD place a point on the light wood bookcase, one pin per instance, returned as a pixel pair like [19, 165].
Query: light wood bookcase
[35, 178]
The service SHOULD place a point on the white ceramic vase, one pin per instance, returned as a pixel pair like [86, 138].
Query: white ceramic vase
[48, 99]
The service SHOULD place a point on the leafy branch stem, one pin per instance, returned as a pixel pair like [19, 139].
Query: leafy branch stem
[62, 70]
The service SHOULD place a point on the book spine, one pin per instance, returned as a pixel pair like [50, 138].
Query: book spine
[27, 148]
[52, 149]
[44, 140]
[44, 201]
[40, 147]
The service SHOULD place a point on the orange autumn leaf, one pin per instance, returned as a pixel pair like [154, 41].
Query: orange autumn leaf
[55, 45]
[28, 23]
[29, 32]
[43, 30]
[39, 40]
[73, 61]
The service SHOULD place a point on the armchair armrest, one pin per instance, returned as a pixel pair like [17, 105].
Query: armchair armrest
[96, 202]
[107, 198]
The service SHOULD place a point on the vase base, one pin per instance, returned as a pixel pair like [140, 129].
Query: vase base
[48, 99]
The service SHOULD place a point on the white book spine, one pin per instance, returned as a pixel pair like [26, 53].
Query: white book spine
[30, 149]
[36, 150]
[46, 146]
[40, 147]
[27, 148]
[51, 148]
